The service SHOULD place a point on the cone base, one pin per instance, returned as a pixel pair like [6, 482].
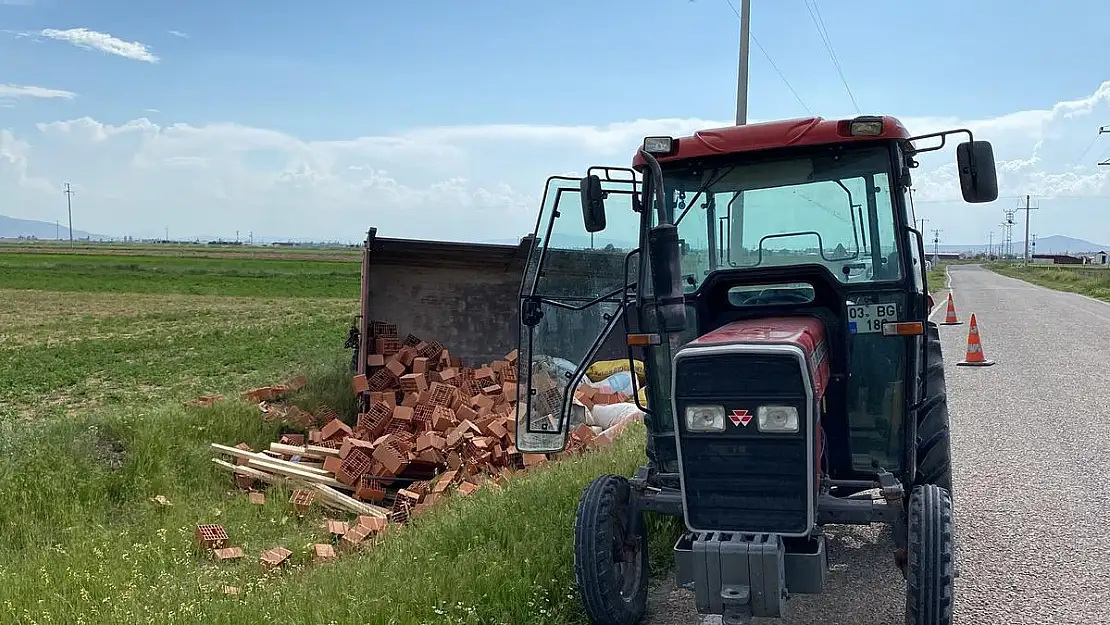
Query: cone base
[970, 363]
[951, 323]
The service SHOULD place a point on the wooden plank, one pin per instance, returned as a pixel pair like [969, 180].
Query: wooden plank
[249, 455]
[352, 504]
[305, 452]
[294, 472]
[269, 478]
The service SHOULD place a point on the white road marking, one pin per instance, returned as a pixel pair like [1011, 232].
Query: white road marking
[943, 303]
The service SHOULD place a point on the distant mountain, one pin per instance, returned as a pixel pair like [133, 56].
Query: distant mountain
[1054, 244]
[12, 228]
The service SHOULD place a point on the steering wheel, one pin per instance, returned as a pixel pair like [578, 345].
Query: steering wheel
[778, 296]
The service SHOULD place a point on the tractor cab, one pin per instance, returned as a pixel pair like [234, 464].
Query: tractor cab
[771, 280]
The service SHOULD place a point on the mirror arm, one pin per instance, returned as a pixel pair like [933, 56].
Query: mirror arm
[660, 196]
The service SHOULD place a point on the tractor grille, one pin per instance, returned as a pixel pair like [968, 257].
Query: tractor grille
[743, 479]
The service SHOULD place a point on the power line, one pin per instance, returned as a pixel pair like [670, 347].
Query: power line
[1086, 150]
[815, 15]
[1101, 131]
[1020, 197]
[775, 67]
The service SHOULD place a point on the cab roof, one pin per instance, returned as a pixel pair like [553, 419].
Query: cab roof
[801, 132]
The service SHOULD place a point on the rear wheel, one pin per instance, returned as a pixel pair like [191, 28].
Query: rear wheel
[934, 452]
[930, 568]
[610, 567]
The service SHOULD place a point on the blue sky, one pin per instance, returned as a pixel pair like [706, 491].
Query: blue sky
[348, 102]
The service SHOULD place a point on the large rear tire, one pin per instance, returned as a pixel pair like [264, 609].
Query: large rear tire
[934, 450]
[610, 568]
[930, 570]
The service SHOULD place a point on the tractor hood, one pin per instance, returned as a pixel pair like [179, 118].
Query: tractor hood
[804, 333]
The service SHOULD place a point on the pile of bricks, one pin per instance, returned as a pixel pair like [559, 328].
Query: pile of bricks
[429, 426]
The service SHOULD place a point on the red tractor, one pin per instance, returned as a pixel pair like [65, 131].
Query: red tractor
[771, 279]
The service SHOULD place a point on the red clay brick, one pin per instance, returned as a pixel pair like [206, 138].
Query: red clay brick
[414, 382]
[276, 556]
[465, 414]
[359, 384]
[302, 500]
[353, 467]
[296, 440]
[393, 461]
[228, 553]
[244, 447]
[370, 489]
[323, 553]
[395, 367]
[350, 443]
[337, 528]
[373, 524]
[211, 536]
[332, 464]
[335, 428]
[533, 460]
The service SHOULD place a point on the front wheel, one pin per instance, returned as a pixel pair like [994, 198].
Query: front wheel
[610, 567]
[931, 551]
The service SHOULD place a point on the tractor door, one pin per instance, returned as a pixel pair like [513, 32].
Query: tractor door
[572, 297]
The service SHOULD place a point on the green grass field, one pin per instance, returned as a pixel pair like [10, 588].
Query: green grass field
[1090, 281]
[936, 278]
[100, 352]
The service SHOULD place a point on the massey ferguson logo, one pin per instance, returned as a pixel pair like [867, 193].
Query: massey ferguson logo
[740, 417]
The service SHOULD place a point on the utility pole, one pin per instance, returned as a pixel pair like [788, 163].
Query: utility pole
[69, 208]
[742, 70]
[922, 228]
[736, 223]
[1008, 230]
[57, 230]
[1025, 257]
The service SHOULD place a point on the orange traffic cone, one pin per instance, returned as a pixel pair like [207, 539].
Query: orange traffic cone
[974, 357]
[950, 317]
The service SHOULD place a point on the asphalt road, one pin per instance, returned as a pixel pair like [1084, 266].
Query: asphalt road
[1031, 456]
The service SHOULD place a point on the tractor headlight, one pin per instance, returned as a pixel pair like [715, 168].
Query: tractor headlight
[865, 127]
[659, 146]
[777, 419]
[705, 418]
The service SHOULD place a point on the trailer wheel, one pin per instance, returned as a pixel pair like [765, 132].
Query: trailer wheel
[610, 568]
[930, 569]
[934, 451]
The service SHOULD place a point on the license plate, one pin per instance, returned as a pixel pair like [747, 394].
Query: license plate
[869, 318]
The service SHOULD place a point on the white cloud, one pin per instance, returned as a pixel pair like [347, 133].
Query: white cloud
[29, 91]
[475, 182]
[93, 40]
[178, 33]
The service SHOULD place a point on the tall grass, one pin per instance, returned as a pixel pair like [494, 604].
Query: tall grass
[1090, 281]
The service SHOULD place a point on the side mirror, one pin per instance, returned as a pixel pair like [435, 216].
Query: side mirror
[978, 178]
[593, 203]
[666, 276]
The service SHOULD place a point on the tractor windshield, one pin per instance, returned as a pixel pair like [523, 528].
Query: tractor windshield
[832, 209]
